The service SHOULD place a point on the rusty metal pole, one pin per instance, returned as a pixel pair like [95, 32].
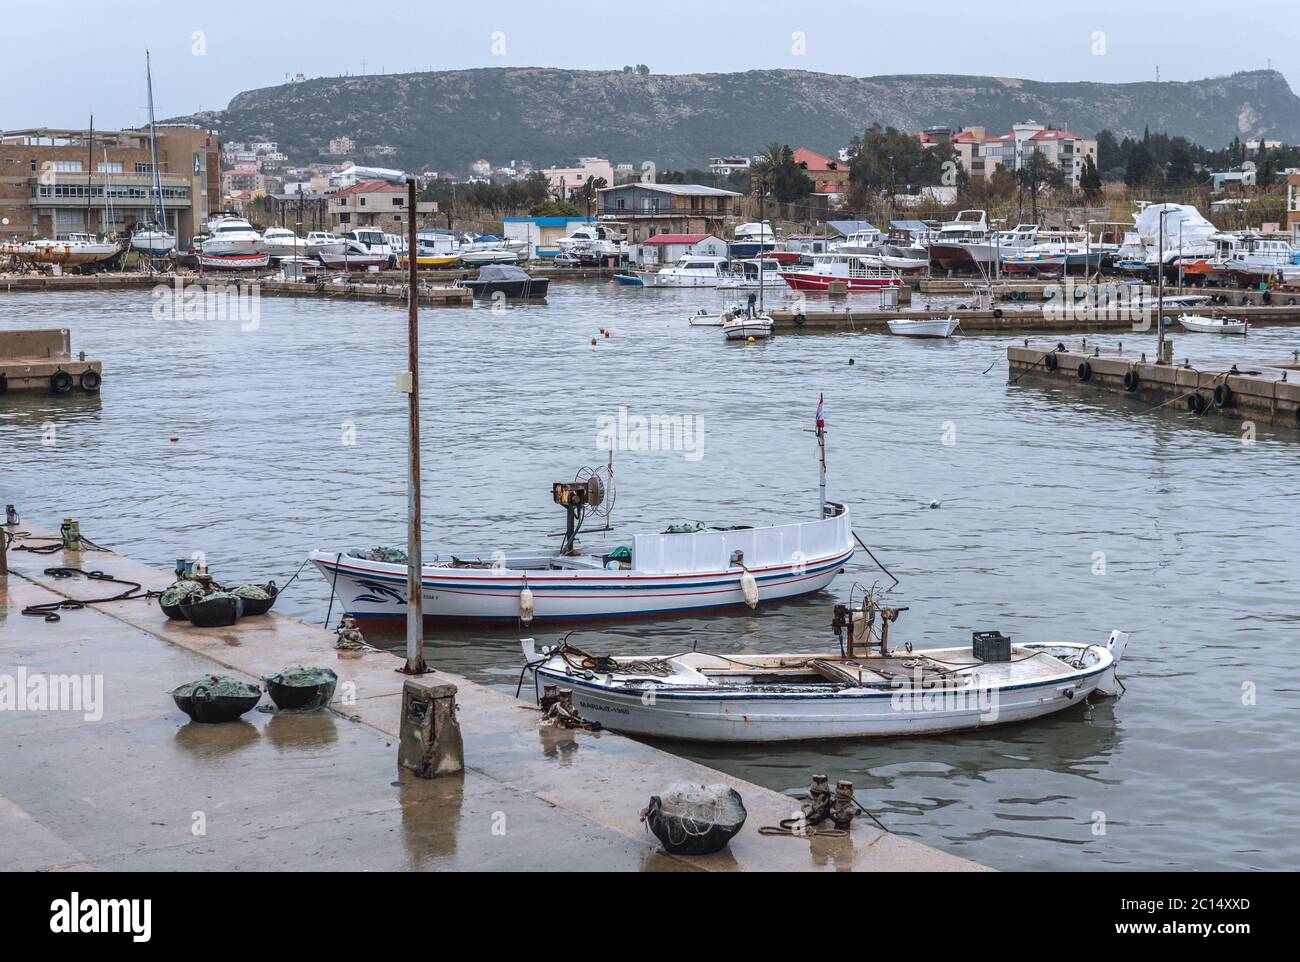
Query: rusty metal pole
[414, 555]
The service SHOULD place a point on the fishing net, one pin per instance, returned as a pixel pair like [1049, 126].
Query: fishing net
[182, 592]
[251, 593]
[687, 527]
[218, 686]
[380, 553]
[695, 819]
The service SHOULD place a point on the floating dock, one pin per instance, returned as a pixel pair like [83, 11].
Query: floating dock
[1264, 393]
[140, 788]
[42, 360]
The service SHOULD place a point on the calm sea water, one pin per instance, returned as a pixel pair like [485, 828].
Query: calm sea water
[1194, 768]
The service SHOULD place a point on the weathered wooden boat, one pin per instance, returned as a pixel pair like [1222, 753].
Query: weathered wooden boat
[923, 327]
[854, 693]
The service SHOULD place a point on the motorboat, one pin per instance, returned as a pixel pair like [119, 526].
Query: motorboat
[628, 280]
[1060, 256]
[951, 248]
[506, 280]
[864, 689]
[233, 262]
[352, 261]
[1201, 324]
[594, 242]
[868, 240]
[1257, 259]
[677, 570]
[988, 255]
[752, 273]
[497, 255]
[325, 242]
[371, 244]
[743, 326]
[233, 236]
[689, 271]
[282, 242]
[924, 327]
[750, 240]
[854, 271]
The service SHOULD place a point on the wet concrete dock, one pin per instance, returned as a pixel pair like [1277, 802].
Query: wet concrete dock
[142, 788]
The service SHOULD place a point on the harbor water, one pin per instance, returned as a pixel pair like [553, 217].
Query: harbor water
[1046, 513]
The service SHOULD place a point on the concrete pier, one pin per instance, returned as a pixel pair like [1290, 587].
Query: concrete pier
[1268, 394]
[141, 788]
[39, 359]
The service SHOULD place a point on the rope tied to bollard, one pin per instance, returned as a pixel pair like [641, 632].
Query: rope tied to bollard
[49, 610]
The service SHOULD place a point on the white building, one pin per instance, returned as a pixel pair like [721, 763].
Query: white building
[565, 180]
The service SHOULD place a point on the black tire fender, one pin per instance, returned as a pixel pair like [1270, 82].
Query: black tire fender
[800, 320]
[997, 312]
[60, 382]
[1222, 396]
[1050, 362]
[1084, 371]
[1195, 403]
[1131, 380]
[4, 384]
[90, 380]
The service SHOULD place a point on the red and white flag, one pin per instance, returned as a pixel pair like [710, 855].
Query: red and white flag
[821, 412]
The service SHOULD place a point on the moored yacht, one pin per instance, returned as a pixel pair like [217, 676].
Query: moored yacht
[233, 235]
[951, 249]
[324, 242]
[282, 242]
[857, 272]
[689, 271]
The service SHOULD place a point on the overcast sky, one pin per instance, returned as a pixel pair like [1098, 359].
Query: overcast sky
[61, 62]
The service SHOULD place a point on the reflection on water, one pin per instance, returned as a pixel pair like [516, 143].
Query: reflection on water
[1062, 515]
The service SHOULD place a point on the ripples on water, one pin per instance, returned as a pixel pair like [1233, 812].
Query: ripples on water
[1198, 530]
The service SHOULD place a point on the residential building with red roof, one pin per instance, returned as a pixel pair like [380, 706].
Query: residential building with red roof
[981, 154]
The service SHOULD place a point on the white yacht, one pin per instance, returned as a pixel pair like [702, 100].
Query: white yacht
[869, 240]
[233, 235]
[593, 240]
[689, 271]
[1257, 258]
[753, 273]
[281, 242]
[325, 242]
[370, 242]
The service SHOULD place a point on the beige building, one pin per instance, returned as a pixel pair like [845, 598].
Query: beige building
[376, 203]
[59, 182]
[981, 153]
[565, 180]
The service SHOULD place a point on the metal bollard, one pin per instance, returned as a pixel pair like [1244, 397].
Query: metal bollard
[430, 743]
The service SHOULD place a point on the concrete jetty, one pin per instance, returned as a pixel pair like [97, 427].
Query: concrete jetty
[129, 784]
[1263, 393]
[42, 360]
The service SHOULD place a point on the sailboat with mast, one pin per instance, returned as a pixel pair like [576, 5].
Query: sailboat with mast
[154, 240]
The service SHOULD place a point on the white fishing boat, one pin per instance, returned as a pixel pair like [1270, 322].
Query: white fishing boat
[742, 326]
[282, 242]
[689, 271]
[233, 236]
[233, 262]
[863, 690]
[703, 318]
[676, 571]
[923, 327]
[325, 242]
[868, 240]
[1200, 324]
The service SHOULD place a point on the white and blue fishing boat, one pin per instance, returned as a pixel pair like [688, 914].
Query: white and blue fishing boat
[676, 571]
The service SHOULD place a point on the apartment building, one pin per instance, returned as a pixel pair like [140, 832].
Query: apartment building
[982, 153]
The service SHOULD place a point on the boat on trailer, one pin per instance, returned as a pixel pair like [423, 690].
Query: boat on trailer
[864, 690]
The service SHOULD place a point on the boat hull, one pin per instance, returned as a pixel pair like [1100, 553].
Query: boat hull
[375, 592]
[534, 288]
[952, 257]
[848, 713]
[234, 262]
[932, 329]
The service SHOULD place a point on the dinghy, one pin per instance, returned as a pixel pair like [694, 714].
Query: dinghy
[867, 690]
[918, 327]
[677, 570]
[1199, 324]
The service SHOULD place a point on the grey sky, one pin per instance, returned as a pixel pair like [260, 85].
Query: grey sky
[59, 63]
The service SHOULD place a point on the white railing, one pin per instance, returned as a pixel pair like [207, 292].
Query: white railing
[762, 547]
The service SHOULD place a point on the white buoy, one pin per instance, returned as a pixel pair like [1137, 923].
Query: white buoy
[749, 587]
[526, 605]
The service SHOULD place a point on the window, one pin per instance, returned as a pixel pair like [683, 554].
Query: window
[66, 166]
[144, 168]
[362, 202]
[345, 218]
[109, 167]
[399, 201]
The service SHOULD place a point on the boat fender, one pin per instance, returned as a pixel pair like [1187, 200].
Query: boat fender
[1195, 403]
[4, 384]
[749, 588]
[1130, 380]
[1222, 396]
[1085, 372]
[526, 605]
[800, 320]
[1050, 361]
[1290, 301]
[90, 380]
[997, 312]
[60, 382]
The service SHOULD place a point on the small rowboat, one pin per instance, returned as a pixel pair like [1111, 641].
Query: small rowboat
[917, 327]
[696, 696]
[741, 327]
[628, 280]
[234, 262]
[1200, 324]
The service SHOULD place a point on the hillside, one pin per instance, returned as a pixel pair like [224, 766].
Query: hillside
[446, 119]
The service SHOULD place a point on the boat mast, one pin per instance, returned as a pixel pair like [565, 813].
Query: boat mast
[90, 167]
[160, 212]
[821, 444]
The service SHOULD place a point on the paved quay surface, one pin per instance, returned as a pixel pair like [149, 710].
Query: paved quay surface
[141, 788]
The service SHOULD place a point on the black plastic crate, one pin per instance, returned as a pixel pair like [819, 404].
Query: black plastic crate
[991, 646]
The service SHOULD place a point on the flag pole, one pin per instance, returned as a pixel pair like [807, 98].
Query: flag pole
[821, 444]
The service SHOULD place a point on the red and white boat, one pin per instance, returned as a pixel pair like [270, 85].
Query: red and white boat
[856, 271]
[234, 262]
